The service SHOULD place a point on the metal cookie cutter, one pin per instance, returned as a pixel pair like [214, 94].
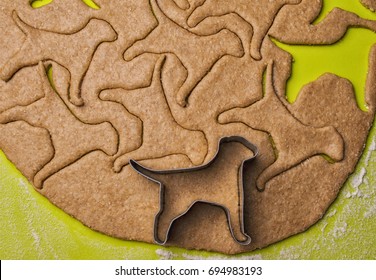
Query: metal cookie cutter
[151, 174]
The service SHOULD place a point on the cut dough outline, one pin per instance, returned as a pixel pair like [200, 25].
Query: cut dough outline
[199, 82]
[144, 171]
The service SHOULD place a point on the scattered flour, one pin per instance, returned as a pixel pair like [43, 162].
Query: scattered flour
[371, 212]
[357, 180]
[291, 253]
[36, 238]
[165, 255]
[30, 207]
[324, 225]
[339, 230]
[324, 222]
[371, 149]
[331, 213]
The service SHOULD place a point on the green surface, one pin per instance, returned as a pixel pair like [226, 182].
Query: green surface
[32, 228]
[347, 58]
[40, 3]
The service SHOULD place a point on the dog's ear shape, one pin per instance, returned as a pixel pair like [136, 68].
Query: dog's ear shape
[144, 171]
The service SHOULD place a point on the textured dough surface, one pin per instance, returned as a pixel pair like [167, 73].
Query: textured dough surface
[161, 82]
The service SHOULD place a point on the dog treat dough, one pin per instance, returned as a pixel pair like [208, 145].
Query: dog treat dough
[370, 4]
[83, 91]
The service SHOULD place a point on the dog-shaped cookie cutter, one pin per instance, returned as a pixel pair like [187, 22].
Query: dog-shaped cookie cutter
[154, 174]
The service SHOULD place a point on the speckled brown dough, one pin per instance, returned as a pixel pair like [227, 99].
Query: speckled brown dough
[370, 4]
[83, 91]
